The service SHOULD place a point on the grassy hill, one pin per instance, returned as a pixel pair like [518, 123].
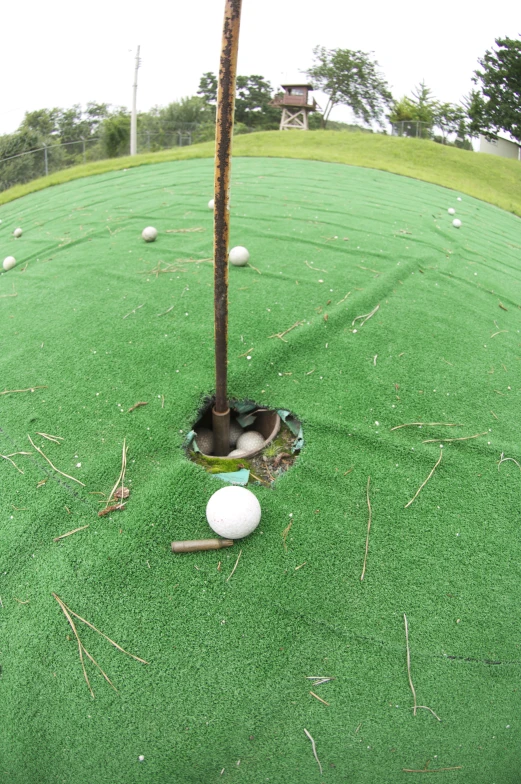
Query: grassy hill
[486, 177]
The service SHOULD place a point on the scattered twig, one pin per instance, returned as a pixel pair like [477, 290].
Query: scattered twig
[109, 509]
[81, 648]
[504, 459]
[315, 269]
[14, 294]
[246, 353]
[6, 457]
[255, 268]
[29, 389]
[424, 483]
[136, 405]
[365, 317]
[162, 401]
[368, 269]
[310, 372]
[235, 567]
[447, 440]
[494, 415]
[285, 536]
[69, 533]
[344, 298]
[368, 528]
[426, 707]
[314, 750]
[121, 476]
[301, 565]
[318, 698]
[56, 439]
[183, 231]
[281, 334]
[53, 466]
[133, 311]
[166, 311]
[415, 706]
[427, 424]
[426, 769]
[498, 332]
[502, 306]
[20, 601]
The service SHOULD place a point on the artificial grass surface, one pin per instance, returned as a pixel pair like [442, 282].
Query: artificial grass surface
[225, 695]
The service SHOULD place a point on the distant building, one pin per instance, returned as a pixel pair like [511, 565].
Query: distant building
[296, 106]
[500, 146]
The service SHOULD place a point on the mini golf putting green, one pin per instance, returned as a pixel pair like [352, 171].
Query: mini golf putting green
[397, 318]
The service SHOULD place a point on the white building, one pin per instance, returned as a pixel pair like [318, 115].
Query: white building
[506, 148]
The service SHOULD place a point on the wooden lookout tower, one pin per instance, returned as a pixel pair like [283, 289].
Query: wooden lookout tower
[296, 105]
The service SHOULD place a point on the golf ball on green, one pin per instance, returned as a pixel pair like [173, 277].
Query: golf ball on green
[211, 204]
[9, 262]
[451, 211]
[456, 223]
[238, 256]
[233, 512]
[149, 234]
[17, 233]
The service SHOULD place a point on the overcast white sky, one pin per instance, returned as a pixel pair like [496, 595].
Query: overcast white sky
[58, 54]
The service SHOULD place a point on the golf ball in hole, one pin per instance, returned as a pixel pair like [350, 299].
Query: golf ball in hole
[211, 204]
[451, 211]
[456, 223]
[17, 233]
[250, 440]
[233, 512]
[149, 234]
[238, 256]
[235, 431]
[237, 453]
[9, 262]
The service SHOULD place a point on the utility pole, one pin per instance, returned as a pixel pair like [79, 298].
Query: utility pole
[133, 118]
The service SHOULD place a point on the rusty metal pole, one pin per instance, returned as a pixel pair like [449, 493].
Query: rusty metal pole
[223, 152]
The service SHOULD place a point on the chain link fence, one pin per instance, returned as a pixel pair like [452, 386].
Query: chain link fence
[412, 128]
[31, 164]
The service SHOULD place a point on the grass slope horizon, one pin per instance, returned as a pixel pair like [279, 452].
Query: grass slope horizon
[489, 178]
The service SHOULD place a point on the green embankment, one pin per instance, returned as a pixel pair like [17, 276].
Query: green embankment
[401, 319]
[488, 177]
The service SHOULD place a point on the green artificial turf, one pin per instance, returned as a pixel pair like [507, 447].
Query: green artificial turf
[225, 694]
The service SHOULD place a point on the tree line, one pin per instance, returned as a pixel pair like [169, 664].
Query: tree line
[346, 77]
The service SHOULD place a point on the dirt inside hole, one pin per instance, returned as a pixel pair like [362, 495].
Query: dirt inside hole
[265, 467]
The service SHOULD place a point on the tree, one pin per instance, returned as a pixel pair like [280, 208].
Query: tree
[253, 95]
[496, 105]
[351, 78]
[208, 88]
[252, 103]
[450, 118]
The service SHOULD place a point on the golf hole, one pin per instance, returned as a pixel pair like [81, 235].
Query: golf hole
[264, 443]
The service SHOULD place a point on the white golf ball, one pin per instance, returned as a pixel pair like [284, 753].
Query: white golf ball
[459, 198]
[233, 512]
[451, 211]
[211, 204]
[235, 431]
[17, 233]
[9, 262]
[238, 256]
[237, 453]
[456, 223]
[250, 440]
[149, 234]
[204, 440]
